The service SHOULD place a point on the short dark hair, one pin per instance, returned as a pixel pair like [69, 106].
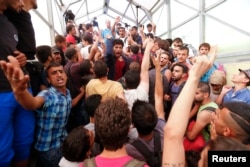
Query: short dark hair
[43, 52]
[132, 79]
[178, 39]
[240, 113]
[88, 26]
[150, 35]
[76, 145]
[144, 117]
[70, 53]
[118, 42]
[149, 25]
[112, 123]
[134, 65]
[85, 67]
[52, 64]
[121, 28]
[59, 38]
[170, 41]
[91, 104]
[69, 28]
[100, 69]
[163, 44]
[134, 27]
[135, 49]
[183, 66]
[204, 87]
[206, 45]
[184, 48]
[87, 38]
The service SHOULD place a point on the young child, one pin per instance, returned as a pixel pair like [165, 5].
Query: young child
[76, 147]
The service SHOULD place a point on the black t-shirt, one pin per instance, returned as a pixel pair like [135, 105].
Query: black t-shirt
[8, 42]
[26, 33]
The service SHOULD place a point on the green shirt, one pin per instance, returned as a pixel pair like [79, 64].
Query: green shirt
[206, 130]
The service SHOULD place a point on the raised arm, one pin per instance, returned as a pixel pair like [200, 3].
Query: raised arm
[94, 48]
[19, 84]
[158, 88]
[144, 78]
[176, 125]
[154, 28]
[117, 20]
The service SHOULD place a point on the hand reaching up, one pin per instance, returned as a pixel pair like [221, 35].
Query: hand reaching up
[203, 63]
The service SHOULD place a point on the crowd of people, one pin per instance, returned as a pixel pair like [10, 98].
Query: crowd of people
[113, 96]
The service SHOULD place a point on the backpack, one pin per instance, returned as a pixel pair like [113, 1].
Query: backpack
[131, 163]
[169, 103]
[153, 159]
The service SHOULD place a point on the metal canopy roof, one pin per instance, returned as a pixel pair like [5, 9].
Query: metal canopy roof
[131, 11]
[195, 21]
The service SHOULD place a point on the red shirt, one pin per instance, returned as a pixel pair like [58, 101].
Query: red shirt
[119, 66]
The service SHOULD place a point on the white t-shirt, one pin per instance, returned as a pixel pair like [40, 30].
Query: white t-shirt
[85, 52]
[65, 163]
[132, 95]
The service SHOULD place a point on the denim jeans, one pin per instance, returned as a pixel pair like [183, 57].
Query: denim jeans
[50, 158]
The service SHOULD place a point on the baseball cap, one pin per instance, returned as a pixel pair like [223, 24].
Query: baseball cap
[247, 73]
[54, 50]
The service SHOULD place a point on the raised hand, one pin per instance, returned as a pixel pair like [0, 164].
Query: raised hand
[203, 63]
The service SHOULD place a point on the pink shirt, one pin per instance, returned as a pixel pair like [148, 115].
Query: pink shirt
[109, 162]
[70, 39]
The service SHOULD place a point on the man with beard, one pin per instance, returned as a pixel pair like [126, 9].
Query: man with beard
[203, 119]
[52, 107]
[179, 75]
[117, 63]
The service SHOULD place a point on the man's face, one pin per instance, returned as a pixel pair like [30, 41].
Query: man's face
[156, 45]
[219, 120]
[108, 25]
[149, 29]
[73, 31]
[177, 73]
[133, 31]
[63, 44]
[57, 57]
[175, 51]
[57, 77]
[239, 78]
[117, 50]
[176, 44]
[182, 55]
[199, 96]
[216, 88]
[16, 5]
[164, 60]
[122, 32]
[204, 50]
